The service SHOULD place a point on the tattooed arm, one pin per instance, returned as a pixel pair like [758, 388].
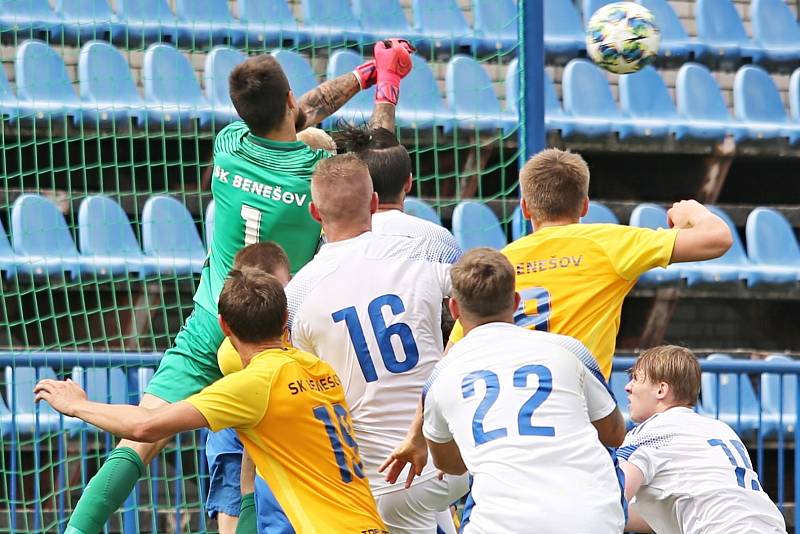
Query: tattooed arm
[383, 116]
[322, 101]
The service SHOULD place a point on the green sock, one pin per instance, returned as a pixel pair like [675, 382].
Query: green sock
[106, 491]
[247, 515]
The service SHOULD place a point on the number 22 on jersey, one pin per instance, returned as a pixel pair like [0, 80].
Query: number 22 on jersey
[383, 335]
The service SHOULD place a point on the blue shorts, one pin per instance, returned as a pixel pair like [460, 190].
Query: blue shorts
[224, 454]
[271, 517]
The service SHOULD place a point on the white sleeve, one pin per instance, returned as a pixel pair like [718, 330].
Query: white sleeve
[443, 276]
[599, 400]
[300, 336]
[647, 449]
[434, 427]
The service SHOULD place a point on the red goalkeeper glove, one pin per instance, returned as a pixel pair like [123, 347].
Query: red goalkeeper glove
[392, 64]
[366, 74]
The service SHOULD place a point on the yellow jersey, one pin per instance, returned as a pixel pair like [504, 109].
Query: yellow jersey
[228, 358]
[289, 410]
[573, 279]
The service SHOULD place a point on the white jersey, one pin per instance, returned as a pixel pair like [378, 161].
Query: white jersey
[371, 307]
[399, 223]
[520, 404]
[697, 477]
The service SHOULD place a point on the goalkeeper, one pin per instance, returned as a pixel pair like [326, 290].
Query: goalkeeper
[261, 183]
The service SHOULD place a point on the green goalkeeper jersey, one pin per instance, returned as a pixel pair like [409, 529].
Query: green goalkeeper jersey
[261, 190]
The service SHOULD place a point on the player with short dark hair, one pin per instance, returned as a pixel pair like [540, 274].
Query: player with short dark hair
[685, 472]
[300, 439]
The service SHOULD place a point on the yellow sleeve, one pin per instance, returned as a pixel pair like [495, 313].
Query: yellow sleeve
[457, 333]
[238, 400]
[633, 251]
[228, 358]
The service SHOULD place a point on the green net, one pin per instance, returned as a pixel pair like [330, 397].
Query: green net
[64, 316]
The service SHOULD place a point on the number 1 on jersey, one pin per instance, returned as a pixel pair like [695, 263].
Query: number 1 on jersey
[252, 224]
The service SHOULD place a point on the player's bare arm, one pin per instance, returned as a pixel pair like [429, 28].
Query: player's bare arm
[322, 101]
[702, 235]
[611, 429]
[131, 422]
[633, 481]
[447, 457]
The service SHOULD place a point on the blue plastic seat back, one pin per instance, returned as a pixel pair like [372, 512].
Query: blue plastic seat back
[666, 19]
[273, 12]
[419, 89]
[344, 61]
[699, 95]
[106, 385]
[105, 75]
[755, 96]
[773, 23]
[469, 89]
[442, 17]
[168, 230]
[476, 225]
[168, 76]
[644, 94]
[154, 11]
[561, 18]
[586, 90]
[649, 216]
[381, 15]
[83, 10]
[212, 11]
[770, 238]
[794, 95]
[337, 13]
[6, 252]
[298, 71]
[495, 17]
[617, 382]
[419, 208]
[38, 228]
[512, 87]
[736, 254]
[718, 20]
[772, 391]
[28, 10]
[520, 226]
[589, 7]
[41, 74]
[19, 385]
[220, 61]
[211, 212]
[104, 229]
[599, 213]
[726, 392]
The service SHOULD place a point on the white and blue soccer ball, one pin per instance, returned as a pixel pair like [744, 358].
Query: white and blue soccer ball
[622, 37]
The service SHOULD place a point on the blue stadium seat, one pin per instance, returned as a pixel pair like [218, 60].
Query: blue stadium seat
[358, 109]
[207, 22]
[554, 117]
[599, 214]
[645, 98]
[9, 106]
[171, 91]
[44, 89]
[220, 61]
[700, 101]
[107, 88]
[617, 382]
[774, 388]
[271, 22]
[169, 238]
[331, 22]
[108, 385]
[771, 243]
[732, 399]
[520, 226]
[470, 94]
[298, 70]
[41, 239]
[588, 101]
[590, 6]
[775, 30]
[757, 102]
[421, 104]
[495, 25]
[442, 24]
[721, 29]
[476, 225]
[30, 416]
[8, 260]
[564, 35]
[107, 242]
[654, 216]
[419, 208]
[382, 19]
[675, 42]
[88, 19]
[32, 17]
[147, 21]
[794, 95]
[211, 211]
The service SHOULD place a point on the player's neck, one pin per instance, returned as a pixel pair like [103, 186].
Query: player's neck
[284, 134]
[390, 207]
[538, 225]
[248, 351]
[469, 325]
[334, 233]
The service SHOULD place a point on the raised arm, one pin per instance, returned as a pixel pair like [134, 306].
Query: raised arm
[702, 235]
[321, 102]
[140, 424]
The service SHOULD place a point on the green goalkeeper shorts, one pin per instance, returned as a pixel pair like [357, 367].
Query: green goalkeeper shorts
[191, 363]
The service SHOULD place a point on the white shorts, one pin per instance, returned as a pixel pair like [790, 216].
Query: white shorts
[423, 507]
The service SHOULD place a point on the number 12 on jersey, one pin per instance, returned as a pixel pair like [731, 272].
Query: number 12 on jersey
[383, 335]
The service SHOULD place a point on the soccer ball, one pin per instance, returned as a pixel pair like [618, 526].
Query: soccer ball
[622, 37]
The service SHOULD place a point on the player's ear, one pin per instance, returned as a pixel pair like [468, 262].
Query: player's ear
[585, 207]
[224, 326]
[291, 101]
[525, 211]
[662, 391]
[409, 183]
[452, 305]
[373, 202]
[517, 300]
[314, 211]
